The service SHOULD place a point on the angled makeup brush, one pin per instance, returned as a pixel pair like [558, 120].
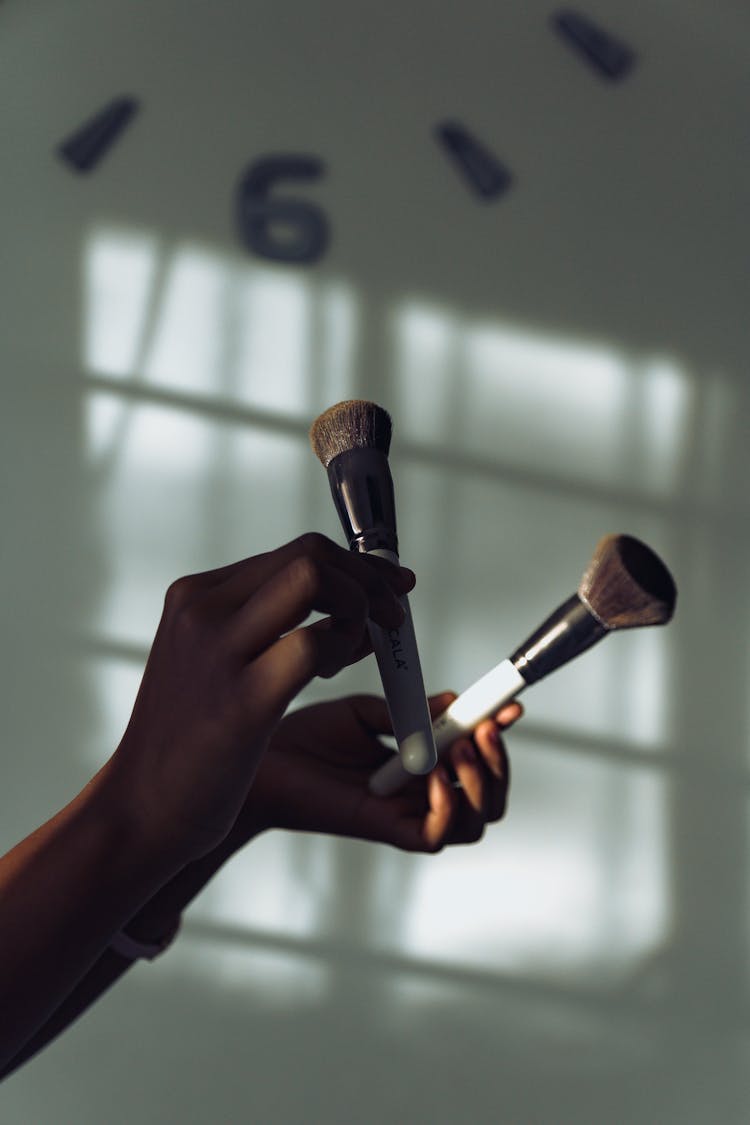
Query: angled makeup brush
[351, 440]
[626, 585]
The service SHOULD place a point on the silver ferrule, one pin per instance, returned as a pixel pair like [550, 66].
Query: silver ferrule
[570, 630]
[362, 490]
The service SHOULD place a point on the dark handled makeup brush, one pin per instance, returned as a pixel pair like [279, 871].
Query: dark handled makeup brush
[351, 440]
[625, 585]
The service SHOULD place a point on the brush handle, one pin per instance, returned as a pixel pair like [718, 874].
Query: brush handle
[403, 684]
[496, 688]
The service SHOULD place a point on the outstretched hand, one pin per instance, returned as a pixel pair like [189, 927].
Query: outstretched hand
[314, 778]
[230, 654]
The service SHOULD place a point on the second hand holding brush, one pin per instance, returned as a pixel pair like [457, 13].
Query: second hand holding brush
[626, 585]
[351, 440]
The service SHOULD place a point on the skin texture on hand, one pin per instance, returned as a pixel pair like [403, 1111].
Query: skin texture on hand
[314, 778]
[230, 654]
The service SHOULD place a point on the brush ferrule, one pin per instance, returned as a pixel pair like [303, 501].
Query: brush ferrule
[362, 490]
[570, 630]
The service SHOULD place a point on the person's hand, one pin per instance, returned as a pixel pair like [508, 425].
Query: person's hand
[314, 778]
[228, 657]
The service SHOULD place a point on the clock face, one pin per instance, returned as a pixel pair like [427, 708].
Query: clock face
[357, 136]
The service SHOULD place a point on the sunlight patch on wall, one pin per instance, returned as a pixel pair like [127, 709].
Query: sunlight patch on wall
[556, 396]
[619, 689]
[538, 402]
[574, 882]
[273, 340]
[156, 438]
[425, 373]
[198, 322]
[714, 478]
[339, 319]
[664, 418]
[280, 885]
[103, 416]
[119, 271]
[186, 351]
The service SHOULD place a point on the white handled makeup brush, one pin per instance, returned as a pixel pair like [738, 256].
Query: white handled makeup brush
[625, 585]
[351, 440]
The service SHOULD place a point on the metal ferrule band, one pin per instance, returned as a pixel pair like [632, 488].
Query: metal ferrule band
[362, 490]
[570, 630]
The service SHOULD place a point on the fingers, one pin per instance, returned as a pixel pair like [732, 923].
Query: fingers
[441, 702]
[481, 766]
[274, 593]
[472, 775]
[443, 806]
[286, 600]
[380, 579]
[509, 714]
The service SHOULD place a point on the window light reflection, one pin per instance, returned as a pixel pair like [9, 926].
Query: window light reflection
[544, 403]
[576, 878]
[157, 438]
[211, 326]
[664, 419]
[280, 886]
[119, 269]
[187, 351]
[339, 328]
[425, 370]
[273, 324]
[574, 881]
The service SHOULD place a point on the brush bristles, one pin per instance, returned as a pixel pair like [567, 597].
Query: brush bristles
[626, 584]
[354, 424]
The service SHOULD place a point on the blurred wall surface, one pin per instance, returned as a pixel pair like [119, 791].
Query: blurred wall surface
[566, 361]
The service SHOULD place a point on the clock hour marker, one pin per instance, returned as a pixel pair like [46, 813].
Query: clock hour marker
[86, 147]
[607, 55]
[483, 172]
[281, 229]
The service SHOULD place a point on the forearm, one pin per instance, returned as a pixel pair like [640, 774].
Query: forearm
[64, 891]
[149, 923]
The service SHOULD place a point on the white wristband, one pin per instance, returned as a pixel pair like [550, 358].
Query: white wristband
[134, 950]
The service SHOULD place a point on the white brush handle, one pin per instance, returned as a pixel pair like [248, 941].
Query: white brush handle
[403, 684]
[499, 686]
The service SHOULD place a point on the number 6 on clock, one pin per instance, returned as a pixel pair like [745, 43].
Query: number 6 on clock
[281, 229]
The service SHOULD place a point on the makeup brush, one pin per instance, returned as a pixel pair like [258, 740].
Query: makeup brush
[351, 440]
[626, 585]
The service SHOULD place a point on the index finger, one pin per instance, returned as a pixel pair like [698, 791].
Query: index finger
[235, 583]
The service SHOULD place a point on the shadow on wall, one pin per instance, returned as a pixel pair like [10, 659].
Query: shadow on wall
[599, 935]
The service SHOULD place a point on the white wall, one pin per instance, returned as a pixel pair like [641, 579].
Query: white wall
[567, 362]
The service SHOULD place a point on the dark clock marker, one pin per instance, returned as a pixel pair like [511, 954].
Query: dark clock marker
[483, 172]
[607, 55]
[280, 228]
[86, 147]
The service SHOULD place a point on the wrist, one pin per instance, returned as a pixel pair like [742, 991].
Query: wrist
[142, 845]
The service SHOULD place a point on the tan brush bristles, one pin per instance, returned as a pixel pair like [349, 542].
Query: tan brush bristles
[626, 584]
[353, 424]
